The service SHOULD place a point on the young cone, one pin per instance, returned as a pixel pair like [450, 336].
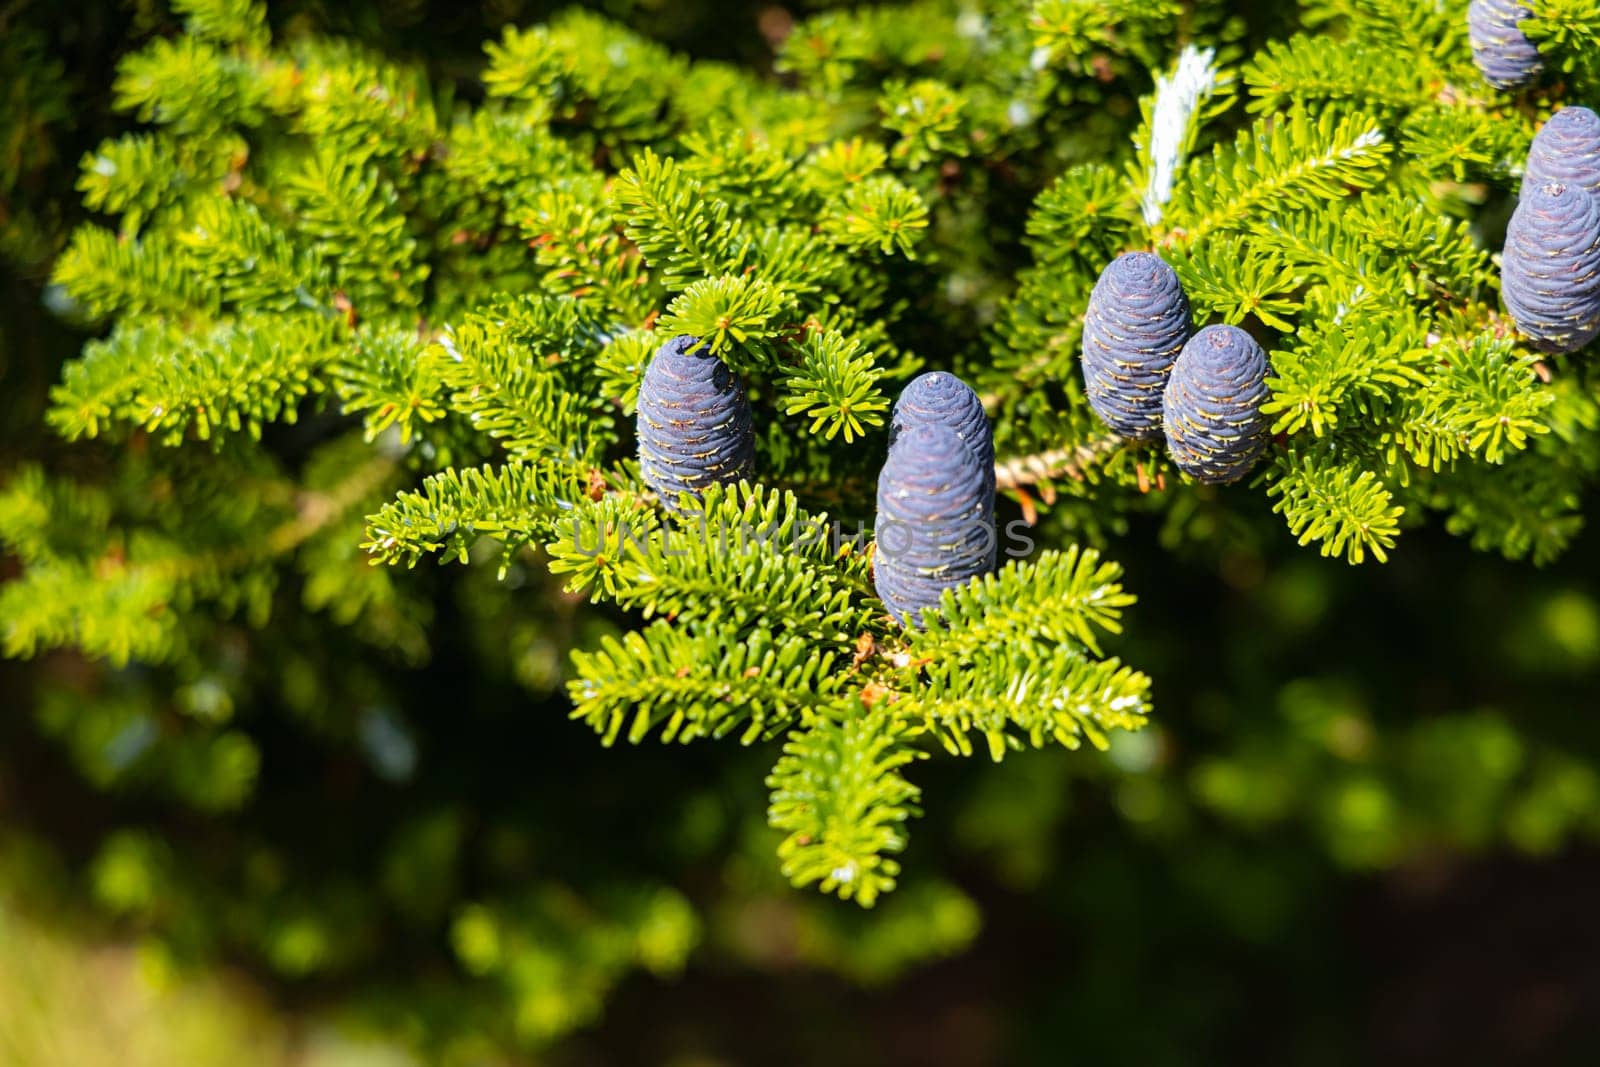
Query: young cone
[1136, 324]
[694, 423]
[1566, 151]
[935, 523]
[941, 399]
[1503, 53]
[1215, 428]
[1550, 269]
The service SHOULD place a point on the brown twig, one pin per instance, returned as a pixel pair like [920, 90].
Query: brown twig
[1055, 463]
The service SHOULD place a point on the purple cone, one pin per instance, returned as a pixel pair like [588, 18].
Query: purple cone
[1215, 428]
[1135, 326]
[941, 399]
[694, 423]
[1550, 269]
[1566, 150]
[935, 523]
[1503, 53]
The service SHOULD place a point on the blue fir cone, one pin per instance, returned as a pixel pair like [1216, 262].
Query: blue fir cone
[1133, 330]
[1550, 268]
[941, 399]
[935, 522]
[694, 423]
[1567, 151]
[1503, 53]
[1215, 428]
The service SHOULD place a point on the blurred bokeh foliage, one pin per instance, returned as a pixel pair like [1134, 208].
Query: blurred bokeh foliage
[1363, 823]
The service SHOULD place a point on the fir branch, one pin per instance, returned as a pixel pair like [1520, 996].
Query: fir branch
[927, 116]
[511, 152]
[745, 557]
[133, 176]
[1346, 509]
[1072, 29]
[1464, 142]
[225, 21]
[683, 233]
[837, 165]
[1227, 279]
[1488, 394]
[107, 274]
[1527, 507]
[877, 212]
[1429, 35]
[350, 217]
[704, 681]
[1293, 160]
[240, 374]
[1083, 219]
[251, 261]
[745, 169]
[391, 377]
[836, 386]
[729, 310]
[1056, 598]
[1358, 359]
[1013, 696]
[592, 75]
[1377, 78]
[126, 604]
[360, 106]
[191, 85]
[44, 518]
[840, 797]
[585, 255]
[518, 505]
[516, 369]
[1570, 29]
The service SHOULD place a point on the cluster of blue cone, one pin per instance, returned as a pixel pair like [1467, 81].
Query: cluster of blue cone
[935, 522]
[1136, 324]
[1550, 267]
[1145, 375]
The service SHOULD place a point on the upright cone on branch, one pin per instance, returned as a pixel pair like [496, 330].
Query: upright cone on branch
[1215, 428]
[694, 423]
[1135, 326]
[1566, 150]
[1503, 53]
[935, 521]
[1550, 268]
[939, 398]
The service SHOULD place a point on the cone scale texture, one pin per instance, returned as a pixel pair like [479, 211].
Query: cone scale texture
[941, 399]
[935, 521]
[1503, 53]
[1550, 269]
[1214, 425]
[694, 422]
[1135, 326]
[1567, 151]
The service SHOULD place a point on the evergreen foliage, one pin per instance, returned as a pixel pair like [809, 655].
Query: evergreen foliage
[351, 315]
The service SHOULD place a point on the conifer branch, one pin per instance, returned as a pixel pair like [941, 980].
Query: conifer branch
[839, 794]
[125, 603]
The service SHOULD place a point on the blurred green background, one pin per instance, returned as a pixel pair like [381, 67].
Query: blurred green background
[1363, 826]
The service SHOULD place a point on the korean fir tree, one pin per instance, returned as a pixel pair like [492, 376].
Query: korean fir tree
[356, 312]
